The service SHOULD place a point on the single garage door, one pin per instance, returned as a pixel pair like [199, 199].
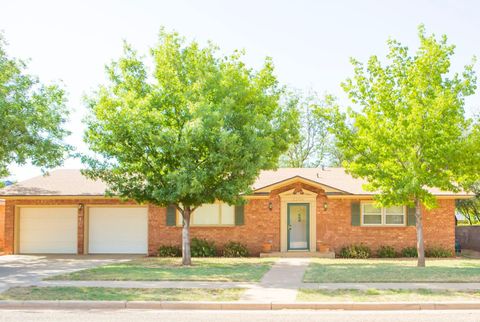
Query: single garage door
[48, 230]
[117, 230]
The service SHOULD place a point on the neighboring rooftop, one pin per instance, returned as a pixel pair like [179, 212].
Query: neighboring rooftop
[56, 183]
[73, 183]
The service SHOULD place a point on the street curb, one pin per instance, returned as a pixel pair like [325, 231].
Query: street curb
[184, 305]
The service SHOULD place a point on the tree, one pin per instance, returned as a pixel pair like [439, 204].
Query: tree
[32, 117]
[315, 145]
[470, 208]
[409, 132]
[196, 129]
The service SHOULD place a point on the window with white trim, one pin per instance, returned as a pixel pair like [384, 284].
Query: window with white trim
[217, 214]
[375, 216]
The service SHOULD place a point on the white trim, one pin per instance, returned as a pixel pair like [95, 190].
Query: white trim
[383, 216]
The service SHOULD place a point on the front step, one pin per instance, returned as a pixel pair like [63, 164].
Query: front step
[296, 254]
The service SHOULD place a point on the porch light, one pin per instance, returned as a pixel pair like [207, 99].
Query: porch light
[325, 206]
[270, 205]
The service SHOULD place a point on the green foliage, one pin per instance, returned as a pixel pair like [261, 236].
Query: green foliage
[314, 146]
[438, 252]
[409, 131]
[409, 252]
[32, 117]
[197, 128]
[169, 251]
[203, 248]
[386, 252]
[470, 208]
[235, 249]
[356, 251]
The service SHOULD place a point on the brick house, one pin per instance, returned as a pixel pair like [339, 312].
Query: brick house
[292, 209]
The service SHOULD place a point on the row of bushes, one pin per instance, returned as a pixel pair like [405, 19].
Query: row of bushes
[205, 248]
[363, 251]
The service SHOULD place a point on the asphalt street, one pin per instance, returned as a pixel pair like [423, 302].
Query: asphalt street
[239, 316]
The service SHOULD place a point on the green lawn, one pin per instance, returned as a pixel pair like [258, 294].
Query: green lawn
[170, 269]
[374, 295]
[394, 270]
[120, 294]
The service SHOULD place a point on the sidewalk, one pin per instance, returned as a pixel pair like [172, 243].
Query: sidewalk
[147, 284]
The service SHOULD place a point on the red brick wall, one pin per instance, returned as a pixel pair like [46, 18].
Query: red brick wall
[334, 228]
[2, 224]
[263, 225]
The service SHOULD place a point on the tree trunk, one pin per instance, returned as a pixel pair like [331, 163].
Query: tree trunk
[419, 226]
[186, 254]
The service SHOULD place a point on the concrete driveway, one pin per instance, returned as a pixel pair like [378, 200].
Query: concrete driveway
[23, 270]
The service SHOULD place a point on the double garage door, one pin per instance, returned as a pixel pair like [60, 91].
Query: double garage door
[110, 230]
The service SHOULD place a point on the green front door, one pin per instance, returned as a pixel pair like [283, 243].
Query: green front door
[298, 223]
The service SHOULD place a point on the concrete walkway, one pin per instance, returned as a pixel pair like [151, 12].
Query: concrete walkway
[280, 283]
[386, 286]
[147, 284]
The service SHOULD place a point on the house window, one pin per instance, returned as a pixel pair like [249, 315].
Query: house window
[217, 214]
[371, 214]
[375, 216]
[395, 215]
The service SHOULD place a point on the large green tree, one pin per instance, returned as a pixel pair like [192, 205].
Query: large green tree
[315, 145]
[197, 128]
[32, 117]
[408, 132]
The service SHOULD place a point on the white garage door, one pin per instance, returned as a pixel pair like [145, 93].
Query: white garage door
[48, 230]
[121, 230]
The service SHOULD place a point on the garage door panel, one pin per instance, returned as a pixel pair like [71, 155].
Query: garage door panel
[118, 230]
[48, 230]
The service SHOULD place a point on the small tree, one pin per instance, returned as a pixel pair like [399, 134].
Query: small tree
[409, 132]
[32, 118]
[315, 145]
[199, 128]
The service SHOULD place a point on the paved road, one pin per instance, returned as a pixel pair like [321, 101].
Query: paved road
[240, 316]
[28, 269]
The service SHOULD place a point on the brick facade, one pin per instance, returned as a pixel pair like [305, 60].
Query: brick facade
[2, 224]
[263, 224]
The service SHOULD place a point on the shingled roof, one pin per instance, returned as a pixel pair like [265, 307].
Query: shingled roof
[72, 183]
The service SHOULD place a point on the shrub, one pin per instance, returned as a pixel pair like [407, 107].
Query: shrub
[169, 251]
[355, 251]
[235, 249]
[386, 252]
[202, 248]
[409, 252]
[438, 252]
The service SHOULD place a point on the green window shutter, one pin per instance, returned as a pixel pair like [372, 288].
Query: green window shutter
[355, 213]
[411, 216]
[171, 215]
[239, 215]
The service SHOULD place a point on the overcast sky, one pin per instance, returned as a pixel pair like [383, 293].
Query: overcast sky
[310, 41]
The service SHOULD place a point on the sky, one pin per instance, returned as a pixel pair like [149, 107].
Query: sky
[310, 42]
